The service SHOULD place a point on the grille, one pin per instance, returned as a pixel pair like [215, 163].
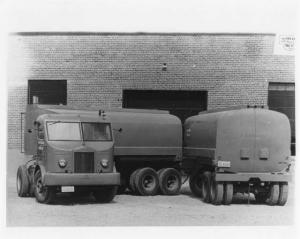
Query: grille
[83, 162]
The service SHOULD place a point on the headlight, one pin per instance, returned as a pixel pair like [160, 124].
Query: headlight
[62, 163]
[104, 163]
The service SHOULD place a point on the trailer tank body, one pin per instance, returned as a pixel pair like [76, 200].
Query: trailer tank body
[140, 133]
[252, 140]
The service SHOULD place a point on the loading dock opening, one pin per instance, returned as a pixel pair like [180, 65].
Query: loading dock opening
[182, 103]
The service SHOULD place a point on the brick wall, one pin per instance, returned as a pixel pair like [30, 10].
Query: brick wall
[234, 69]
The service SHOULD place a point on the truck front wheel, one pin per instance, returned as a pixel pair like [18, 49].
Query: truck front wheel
[22, 181]
[105, 194]
[42, 193]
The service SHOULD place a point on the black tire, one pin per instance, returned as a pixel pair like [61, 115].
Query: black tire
[42, 193]
[146, 182]
[23, 184]
[169, 181]
[216, 192]
[132, 180]
[228, 193]
[195, 182]
[205, 186]
[273, 195]
[105, 194]
[283, 194]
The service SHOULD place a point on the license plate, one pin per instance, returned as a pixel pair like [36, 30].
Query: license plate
[224, 164]
[67, 189]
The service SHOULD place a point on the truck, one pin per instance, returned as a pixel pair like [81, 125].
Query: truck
[238, 150]
[71, 151]
[222, 152]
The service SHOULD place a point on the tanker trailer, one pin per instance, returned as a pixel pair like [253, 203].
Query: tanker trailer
[242, 150]
[148, 150]
[71, 151]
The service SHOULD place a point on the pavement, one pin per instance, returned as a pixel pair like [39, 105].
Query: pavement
[130, 210]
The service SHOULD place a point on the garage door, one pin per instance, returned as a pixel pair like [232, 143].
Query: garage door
[180, 103]
[282, 99]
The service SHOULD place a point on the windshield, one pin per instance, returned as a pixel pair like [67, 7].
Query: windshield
[96, 132]
[63, 130]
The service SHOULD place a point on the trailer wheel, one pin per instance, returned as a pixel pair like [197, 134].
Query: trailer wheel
[146, 182]
[169, 181]
[43, 194]
[205, 186]
[22, 181]
[195, 182]
[283, 194]
[228, 193]
[273, 194]
[105, 194]
[216, 192]
[132, 181]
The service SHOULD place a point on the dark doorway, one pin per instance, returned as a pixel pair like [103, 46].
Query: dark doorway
[52, 92]
[282, 99]
[180, 103]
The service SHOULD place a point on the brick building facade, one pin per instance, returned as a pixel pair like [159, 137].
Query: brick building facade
[233, 69]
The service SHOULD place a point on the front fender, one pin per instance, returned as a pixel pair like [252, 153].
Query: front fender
[42, 169]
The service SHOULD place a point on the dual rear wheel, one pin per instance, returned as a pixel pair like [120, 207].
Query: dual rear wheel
[276, 195]
[148, 182]
[204, 186]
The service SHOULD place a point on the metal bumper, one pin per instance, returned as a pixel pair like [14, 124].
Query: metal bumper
[245, 177]
[87, 179]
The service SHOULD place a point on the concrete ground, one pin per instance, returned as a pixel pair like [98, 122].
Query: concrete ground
[129, 210]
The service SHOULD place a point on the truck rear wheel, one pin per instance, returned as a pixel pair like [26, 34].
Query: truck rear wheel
[105, 194]
[195, 182]
[228, 193]
[43, 194]
[283, 194]
[273, 195]
[205, 186]
[132, 180]
[216, 192]
[146, 182]
[169, 181]
[23, 184]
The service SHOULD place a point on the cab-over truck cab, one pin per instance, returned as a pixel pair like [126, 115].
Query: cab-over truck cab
[70, 151]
